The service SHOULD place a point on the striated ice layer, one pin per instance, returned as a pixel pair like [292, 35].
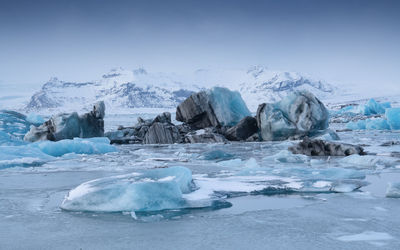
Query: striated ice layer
[153, 190]
[369, 161]
[227, 105]
[372, 107]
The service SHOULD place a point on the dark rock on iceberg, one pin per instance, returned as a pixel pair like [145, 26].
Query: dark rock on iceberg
[69, 126]
[297, 115]
[208, 135]
[162, 133]
[325, 148]
[212, 108]
[243, 130]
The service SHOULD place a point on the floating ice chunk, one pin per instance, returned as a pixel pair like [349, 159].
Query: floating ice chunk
[358, 125]
[25, 155]
[35, 118]
[231, 163]
[218, 155]
[369, 161]
[393, 190]
[298, 114]
[228, 106]
[13, 126]
[153, 190]
[393, 118]
[97, 145]
[369, 124]
[285, 156]
[372, 107]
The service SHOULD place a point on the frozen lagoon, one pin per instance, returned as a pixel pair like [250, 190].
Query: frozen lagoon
[31, 218]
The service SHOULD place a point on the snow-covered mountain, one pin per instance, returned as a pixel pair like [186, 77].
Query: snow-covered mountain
[126, 89]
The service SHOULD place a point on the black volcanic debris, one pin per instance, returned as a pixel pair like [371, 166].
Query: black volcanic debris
[324, 148]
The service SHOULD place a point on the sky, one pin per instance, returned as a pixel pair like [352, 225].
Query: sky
[350, 42]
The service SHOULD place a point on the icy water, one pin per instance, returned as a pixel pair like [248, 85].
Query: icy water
[262, 198]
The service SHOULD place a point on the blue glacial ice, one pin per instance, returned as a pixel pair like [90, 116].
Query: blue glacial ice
[372, 107]
[393, 190]
[393, 118]
[228, 106]
[152, 190]
[35, 118]
[298, 114]
[369, 124]
[37, 153]
[97, 145]
[13, 127]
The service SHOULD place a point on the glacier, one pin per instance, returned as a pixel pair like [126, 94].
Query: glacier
[152, 190]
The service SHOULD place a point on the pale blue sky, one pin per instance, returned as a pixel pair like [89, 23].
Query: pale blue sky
[345, 41]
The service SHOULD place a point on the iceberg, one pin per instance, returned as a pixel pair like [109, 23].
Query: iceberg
[228, 106]
[22, 156]
[212, 108]
[369, 124]
[372, 107]
[393, 118]
[297, 115]
[152, 190]
[13, 126]
[393, 190]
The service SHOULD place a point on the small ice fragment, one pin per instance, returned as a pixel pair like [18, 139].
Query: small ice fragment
[393, 190]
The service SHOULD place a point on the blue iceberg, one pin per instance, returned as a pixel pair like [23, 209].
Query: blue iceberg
[152, 190]
[372, 107]
[369, 124]
[393, 118]
[298, 114]
[228, 106]
[13, 127]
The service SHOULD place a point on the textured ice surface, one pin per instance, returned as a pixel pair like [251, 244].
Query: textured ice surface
[372, 107]
[153, 190]
[393, 190]
[228, 105]
[393, 118]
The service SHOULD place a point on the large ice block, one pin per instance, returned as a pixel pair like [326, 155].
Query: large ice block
[152, 190]
[393, 118]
